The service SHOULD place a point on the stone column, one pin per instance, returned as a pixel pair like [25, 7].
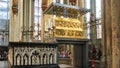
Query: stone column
[108, 33]
[103, 47]
[115, 16]
[16, 20]
[31, 19]
[107, 36]
[42, 27]
[44, 6]
[28, 19]
[111, 33]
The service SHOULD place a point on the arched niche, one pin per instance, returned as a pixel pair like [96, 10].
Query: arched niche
[45, 58]
[25, 59]
[18, 59]
[51, 58]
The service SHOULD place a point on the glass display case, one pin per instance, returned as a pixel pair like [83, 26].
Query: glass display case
[62, 21]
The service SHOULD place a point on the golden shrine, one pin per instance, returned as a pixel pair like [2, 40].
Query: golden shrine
[63, 21]
[63, 24]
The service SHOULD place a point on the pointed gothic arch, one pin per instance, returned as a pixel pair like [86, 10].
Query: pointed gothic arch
[18, 59]
[51, 58]
[45, 56]
[25, 59]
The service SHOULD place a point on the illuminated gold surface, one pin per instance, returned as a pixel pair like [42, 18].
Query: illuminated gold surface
[67, 19]
[68, 27]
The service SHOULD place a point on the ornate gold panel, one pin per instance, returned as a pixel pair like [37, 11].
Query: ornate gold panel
[65, 19]
[68, 27]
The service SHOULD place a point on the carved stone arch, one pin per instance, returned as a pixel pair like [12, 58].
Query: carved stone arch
[18, 59]
[52, 49]
[17, 53]
[25, 50]
[17, 50]
[27, 53]
[45, 58]
[25, 59]
[51, 58]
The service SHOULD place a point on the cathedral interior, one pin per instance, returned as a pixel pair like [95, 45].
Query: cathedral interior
[59, 33]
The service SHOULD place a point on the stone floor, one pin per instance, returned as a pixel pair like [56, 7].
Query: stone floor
[3, 64]
[66, 66]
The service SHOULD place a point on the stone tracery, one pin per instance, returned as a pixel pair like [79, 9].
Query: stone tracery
[34, 56]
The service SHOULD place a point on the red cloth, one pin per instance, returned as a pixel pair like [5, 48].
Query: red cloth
[92, 63]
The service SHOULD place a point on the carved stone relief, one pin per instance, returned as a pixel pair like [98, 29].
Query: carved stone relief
[34, 55]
